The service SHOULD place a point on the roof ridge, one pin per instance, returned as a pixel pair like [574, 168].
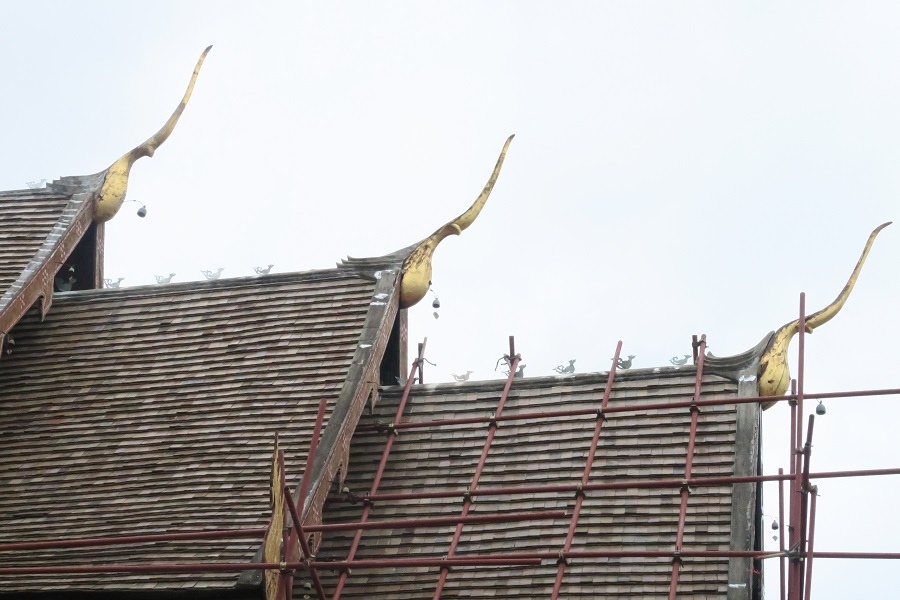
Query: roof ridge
[662, 371]
[224, 282]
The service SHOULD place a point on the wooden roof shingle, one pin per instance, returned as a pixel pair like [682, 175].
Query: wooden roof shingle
[26, 218]
[633, 446]
[154, 409]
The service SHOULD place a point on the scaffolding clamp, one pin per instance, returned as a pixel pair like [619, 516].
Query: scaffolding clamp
[579, 490]
[467, 496]
[601, 416]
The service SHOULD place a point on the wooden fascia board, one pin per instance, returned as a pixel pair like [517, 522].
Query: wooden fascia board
[36, 281]
[362, 380]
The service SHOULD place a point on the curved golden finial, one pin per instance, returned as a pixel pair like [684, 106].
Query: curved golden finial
[115, 183]
[774, 374]
[417, 266]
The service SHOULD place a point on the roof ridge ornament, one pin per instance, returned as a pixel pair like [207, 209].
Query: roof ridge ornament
[774, 375]
[417, 265]
[115, 182]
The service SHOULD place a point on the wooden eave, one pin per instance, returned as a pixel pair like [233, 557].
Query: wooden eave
[360, 386]
[35, 283]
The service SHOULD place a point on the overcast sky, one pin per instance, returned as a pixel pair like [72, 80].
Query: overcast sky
[678, 168]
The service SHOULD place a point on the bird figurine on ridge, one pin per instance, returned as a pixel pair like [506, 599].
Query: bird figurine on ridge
[113, 284]
[263, 271]
[164, 279]
[463, 377]
[520, 372]
[679, 361]
[626, 363]
[213, 276]
[566, 370]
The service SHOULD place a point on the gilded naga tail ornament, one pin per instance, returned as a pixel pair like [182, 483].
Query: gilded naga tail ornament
[115, 182]
[774, 375]
[417, 266]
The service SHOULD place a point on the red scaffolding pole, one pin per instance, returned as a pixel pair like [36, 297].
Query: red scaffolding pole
[388, 444]
[626, 408]
[474, 560]
[781, 565]
[588, 466]
[297, 534]
[812, 532]
[688, 467]
[254, 532]
[514, 360]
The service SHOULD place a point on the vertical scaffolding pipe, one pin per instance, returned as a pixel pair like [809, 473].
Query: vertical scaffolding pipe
[514, 360]
[297, 534]
[792, 526]
[804, 493]
[288, 534]
[688, 466]
[792, 434]
[795, 567]
[801, 363]
[588, 465]
[812, 533]
[304, 545]
[311, 455]
[388, 444]
[781, 531]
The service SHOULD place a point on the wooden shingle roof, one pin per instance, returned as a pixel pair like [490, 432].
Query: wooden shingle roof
[154, 409]
[41, 228]
[26, 218]
[633, 446]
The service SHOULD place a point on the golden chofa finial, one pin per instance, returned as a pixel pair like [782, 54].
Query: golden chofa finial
[417, 266]
[774, 375]
[115, 183]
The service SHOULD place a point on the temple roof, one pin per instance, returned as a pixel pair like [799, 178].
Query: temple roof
[549, 451]
[154, 409]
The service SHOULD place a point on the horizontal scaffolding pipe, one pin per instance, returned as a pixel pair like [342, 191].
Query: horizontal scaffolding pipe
[862, 473]
[259, 532]
[536, 515]
[614, 485]
[865, 555]
[255, 532]
[471, 561]
[480, 560]
[218, 534]
[625, 408]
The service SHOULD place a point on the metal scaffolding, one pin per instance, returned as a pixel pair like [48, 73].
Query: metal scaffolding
[795, 558]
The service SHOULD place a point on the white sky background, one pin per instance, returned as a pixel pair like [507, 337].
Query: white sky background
[678, 168]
